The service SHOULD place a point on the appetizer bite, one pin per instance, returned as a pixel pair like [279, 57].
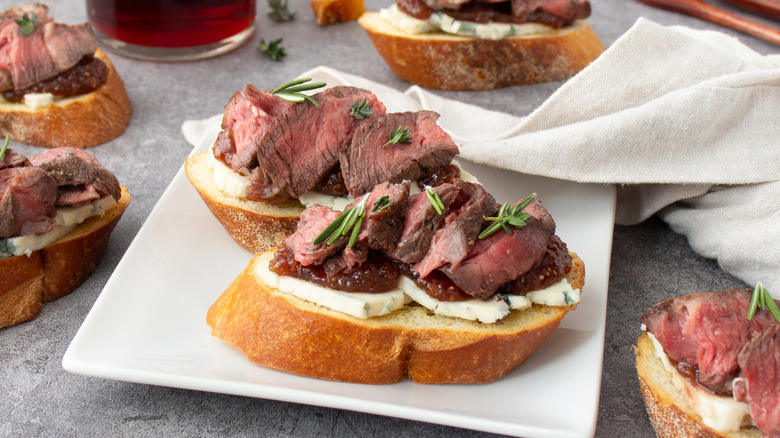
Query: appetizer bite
[709, 364]
[57, 212]
[483, 45]
[440, 286]
[58, 89]
[273, 157]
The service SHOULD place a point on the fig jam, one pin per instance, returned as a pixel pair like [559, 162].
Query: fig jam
[440, 176]
[375, 275]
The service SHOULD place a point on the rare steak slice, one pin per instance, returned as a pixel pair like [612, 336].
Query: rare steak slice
[759, 360]
[303, 144]
[50, 49]
[313, 221]
[499, 258]
[27, 196]
[370, 159]
[385, 211]
[420, 223]
[379, 229]
[707, 331]
[462, 224]
[246, 120]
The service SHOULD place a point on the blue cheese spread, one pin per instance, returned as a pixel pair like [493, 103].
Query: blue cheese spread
[66, 220]
[439, 21]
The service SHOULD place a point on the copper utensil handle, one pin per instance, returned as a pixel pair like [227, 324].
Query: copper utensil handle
[714, 14]
[765, 8]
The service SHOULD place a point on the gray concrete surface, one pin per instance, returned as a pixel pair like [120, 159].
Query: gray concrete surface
[38, 398]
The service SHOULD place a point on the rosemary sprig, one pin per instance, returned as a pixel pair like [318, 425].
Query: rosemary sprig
[508, 216]
[273, 50]
[5, 146]
[434, 199]
[280, 12]
[401, 135]
[350, 219]
[27, 24]
[763, 300]
[382, 204]
[291, 91]
[361, 109]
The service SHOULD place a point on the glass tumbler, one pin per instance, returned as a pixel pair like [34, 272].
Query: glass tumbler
[171, 30]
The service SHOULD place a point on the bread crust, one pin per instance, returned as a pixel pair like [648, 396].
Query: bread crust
[669, 413]
[57, 269]
[450, 62]
[256, 226]
[283, 332]
[80, 121]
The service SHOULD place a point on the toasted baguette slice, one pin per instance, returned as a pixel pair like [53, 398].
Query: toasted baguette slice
[256, 226]
[55, 270]
[450, 62]
[280, 331]
[81, 121]
[669, 412]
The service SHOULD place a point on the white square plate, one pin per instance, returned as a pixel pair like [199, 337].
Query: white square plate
[149, 323]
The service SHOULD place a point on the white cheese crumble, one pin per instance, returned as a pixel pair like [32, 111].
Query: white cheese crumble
[66, 220]
[724, 414]
[445, 23]
[38, 100]
[357, 304]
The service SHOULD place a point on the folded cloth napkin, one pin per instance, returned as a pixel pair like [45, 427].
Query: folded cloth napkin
[686, 123]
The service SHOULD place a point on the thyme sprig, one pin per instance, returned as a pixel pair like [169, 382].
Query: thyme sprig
[382, 204]
[761, 299]
[27, 23]
[280, 12]
[291, 91]
[361, 109]
[273, 50]
[401, 135]
[5, 146]
[508, 216]
[434, 199]
[349, 221]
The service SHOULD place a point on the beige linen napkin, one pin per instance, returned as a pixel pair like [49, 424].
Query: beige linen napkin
[686, 123]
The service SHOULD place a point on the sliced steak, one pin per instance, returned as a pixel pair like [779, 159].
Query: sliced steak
[313, 221]
[49, 50]
[760, 364]
[382, 225]
[247, 117]
[74, 170]
[68, 44]
[370, 160]
[420, 224]
[499, 258]
[462, 224]
[707, 331]
[550, 269]
[11, 158]
[346, 260]
[303, 144]
[27, 196]
[380, 228]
